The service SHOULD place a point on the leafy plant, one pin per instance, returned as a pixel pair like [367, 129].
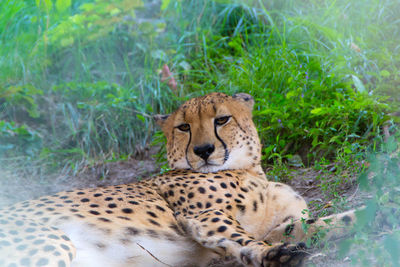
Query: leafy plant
[376, 233]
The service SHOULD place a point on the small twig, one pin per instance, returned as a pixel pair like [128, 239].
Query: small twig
[354, 194]
[152, 255]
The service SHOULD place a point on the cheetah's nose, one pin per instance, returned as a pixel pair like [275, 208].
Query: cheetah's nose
[204, 151]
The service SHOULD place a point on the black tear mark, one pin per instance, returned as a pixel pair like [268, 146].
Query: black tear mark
[226, 156]
[187, 149]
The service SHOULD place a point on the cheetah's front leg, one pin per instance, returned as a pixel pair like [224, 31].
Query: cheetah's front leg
[220, 232]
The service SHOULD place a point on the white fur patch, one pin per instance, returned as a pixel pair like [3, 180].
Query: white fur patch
[139, 251]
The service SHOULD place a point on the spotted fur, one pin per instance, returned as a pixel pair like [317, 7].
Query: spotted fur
[216, 202]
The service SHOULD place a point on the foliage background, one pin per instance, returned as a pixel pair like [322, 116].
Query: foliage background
[79, 81]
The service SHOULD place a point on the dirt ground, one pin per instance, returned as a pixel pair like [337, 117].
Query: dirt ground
[304, 180]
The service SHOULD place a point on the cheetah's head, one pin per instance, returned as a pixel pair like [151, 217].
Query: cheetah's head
[211, 133]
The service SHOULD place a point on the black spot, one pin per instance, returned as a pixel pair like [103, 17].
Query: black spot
[228, 222]
[33, 252]
[208, 205]
[133, 202]
[20, 247]
[65, 247]
[127, 210]
[215, 220]
[152, 233]
[112, 205]
[232, 185]
[104, 220]
[199, 205]
[171, 193]
[222, 229]
[228, 195]
[51, 236]
[38, 242]
[132, 231]
[201, 190]
[212, 188]
[152, 214]
[25, 262]
[153, 222]
[241, 207]
[210, 233]
[219, 200]
[49, 248]
[223, 185]
[85, 200]
[123, 218]
[42, 262]
[108, 199]
[240, 241]
[94, 205]
[254, 206]
[66, 238]
[160, 208]
[94, 212]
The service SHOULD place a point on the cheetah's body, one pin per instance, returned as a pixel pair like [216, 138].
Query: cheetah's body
[216, 203]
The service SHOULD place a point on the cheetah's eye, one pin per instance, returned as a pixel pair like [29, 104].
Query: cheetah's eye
[222, 120]
[184, 127]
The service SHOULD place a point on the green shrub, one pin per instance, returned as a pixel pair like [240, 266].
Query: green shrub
[307, 101]
[376, 235]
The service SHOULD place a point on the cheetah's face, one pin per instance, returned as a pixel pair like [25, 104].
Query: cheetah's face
[211, 133]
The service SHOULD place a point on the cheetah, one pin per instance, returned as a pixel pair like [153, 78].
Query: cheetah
[214, 203]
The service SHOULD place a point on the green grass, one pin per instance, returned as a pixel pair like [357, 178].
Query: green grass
[85, 78]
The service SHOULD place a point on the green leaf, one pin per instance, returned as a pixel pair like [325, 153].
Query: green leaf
[385, 73]
[358, 84]
[44, 4]
[318, 111]
[140, 117]
[62, 5]
[164, 4]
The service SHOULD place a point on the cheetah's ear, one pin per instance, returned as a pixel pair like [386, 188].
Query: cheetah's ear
[161, 119]
[246, 99]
